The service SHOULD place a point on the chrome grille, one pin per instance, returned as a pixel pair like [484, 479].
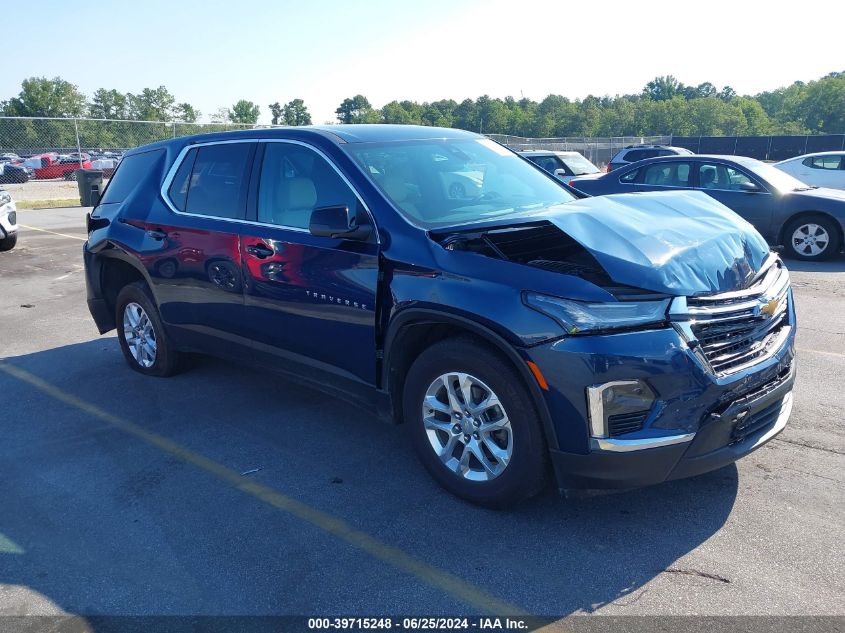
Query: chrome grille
[732, 331]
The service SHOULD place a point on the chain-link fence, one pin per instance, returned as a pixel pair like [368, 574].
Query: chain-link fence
[39, 155]
[598, 150]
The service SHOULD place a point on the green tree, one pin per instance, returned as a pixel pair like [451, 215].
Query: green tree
[276, 111]
[244, 112]
[357, 109]
[186, 113]
[151, 104]
[663, 88]
[295, 113]
[108, 104]
[40, 96]
[824, 105]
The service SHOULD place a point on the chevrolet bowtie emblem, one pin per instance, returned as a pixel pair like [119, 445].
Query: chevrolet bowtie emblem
[770, 308]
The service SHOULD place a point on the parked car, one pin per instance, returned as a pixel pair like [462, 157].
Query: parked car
[8, 221]
[10, 173]
[564, 165]
[634, 153]
[823, 169]
[808, 221]
[625, 340]
[51, 165]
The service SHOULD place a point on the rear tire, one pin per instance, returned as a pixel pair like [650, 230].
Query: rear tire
[143, 339]
[811, 238]
[8, 242]
[508, 456]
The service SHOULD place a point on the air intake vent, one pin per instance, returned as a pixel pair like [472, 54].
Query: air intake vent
[625, 423]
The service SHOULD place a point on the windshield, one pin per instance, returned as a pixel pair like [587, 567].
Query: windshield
[444, 182]
[579, 165]
[780, 180]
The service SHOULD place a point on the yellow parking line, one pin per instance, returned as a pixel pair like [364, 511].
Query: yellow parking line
[454, 586]
[35, 228]
[819, 351]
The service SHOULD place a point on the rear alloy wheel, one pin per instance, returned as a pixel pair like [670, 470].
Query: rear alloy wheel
[811, 238]
[144, 342]
[474, 424]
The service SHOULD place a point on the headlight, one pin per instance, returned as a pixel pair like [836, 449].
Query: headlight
[579, 316]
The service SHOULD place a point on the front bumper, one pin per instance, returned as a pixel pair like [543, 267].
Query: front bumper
[700, 421]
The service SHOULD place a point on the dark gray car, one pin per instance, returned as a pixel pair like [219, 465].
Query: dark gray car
[808, 221]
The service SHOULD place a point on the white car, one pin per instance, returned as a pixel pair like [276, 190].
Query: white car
[564, 165]
[823, 169]
[8, 222]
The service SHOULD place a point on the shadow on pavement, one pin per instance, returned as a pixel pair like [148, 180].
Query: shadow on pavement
[99, 522]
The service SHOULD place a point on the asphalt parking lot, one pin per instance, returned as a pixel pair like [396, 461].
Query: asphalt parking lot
[230, 492]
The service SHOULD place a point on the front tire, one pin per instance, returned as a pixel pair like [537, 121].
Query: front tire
[474, 425]
[143, 340]
[811, 238]
[8, 242]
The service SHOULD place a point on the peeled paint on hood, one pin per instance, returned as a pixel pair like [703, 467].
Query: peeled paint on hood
[674, 242]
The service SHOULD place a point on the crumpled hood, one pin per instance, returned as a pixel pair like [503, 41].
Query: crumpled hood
[674, 242]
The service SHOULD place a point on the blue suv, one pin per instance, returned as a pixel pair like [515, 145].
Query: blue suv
[443, 281]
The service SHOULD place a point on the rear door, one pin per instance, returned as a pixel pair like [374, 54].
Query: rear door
[309, 299]
[724, 183]
[194, 260]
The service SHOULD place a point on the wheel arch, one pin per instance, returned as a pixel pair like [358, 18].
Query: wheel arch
[413, 330]
[116, 273]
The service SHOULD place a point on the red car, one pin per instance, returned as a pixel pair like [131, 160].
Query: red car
[48, 166]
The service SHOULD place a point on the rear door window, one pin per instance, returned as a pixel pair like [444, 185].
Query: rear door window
[668, 175]
[824, 162]
[219, 180]
[178, 190]
[131, 171]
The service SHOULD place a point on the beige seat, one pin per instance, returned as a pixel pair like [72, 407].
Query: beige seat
[299, 197]
[398, 191]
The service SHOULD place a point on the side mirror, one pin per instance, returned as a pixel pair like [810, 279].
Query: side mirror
[560, 173]
[338, 222]
[749, 187]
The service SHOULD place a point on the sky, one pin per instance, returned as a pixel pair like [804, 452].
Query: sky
[213, 53]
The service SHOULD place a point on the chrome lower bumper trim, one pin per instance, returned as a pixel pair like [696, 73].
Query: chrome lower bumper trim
[625, 446]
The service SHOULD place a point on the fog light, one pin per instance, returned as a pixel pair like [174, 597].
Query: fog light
[626, 401]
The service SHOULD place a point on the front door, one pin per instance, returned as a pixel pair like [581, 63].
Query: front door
[308, 299]
[725, 183]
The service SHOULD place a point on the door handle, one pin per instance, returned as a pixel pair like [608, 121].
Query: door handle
[156, 234]
[259, 250]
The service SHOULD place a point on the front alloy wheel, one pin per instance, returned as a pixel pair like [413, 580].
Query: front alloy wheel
[467, 426]
[474, 424]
